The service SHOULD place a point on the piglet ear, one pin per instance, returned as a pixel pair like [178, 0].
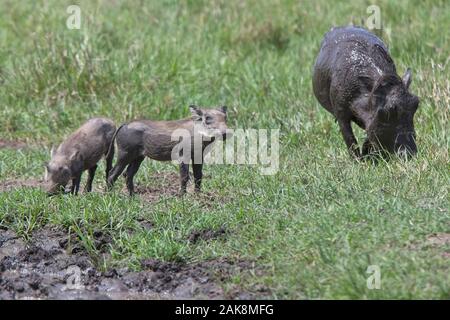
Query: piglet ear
[223, 109]
[196, 112]
[407, 78]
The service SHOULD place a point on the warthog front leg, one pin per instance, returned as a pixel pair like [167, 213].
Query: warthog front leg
[131, 171]
[122, 161]
[198, 174]
[349, 138]
[184, 177]
[76, 184]
[91, 174]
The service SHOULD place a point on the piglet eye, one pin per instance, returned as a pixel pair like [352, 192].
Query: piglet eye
[208, 119]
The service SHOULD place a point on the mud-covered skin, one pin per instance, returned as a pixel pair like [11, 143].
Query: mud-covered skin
[356, 80]
[79, 152]
[145, 138]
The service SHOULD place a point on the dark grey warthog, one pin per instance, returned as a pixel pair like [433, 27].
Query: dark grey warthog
[80, 151]
[356, 80]
[157, 140]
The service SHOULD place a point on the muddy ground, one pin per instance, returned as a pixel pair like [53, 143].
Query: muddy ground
[52, 266]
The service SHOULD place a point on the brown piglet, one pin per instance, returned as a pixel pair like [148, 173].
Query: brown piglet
[81, 151]
[158, 140]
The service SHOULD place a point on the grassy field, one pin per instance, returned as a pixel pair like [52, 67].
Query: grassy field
[315, 226]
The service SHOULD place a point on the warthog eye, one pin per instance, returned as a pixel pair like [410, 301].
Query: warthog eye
[208, 119]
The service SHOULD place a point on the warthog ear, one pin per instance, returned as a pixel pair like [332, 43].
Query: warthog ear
[223, 109]
[52, 151]
[65, 172]
[382, 114]
[47, 169]
[196, 112]
[381, 88]
[407, 78]
[75, 156]
[367, 82]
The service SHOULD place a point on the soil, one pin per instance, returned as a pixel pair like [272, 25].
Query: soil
[166, 184]
[11, 184]
[439, 239]
[12, 144]
[206, 234]
[436, 241]
[53, 265]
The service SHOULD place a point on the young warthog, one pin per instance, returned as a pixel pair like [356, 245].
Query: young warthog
[80, 151]
[356, 80]
[158, 140]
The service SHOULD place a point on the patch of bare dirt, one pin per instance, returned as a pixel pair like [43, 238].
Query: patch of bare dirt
[146, 224]
[439, 239]
[430, 204]
[48, 267]
[206, 234]
[165, 184]
[435, 241]
[12, 184]
[209, 198]
[12, 144]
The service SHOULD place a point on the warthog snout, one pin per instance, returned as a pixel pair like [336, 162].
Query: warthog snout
[54, 189]
[227, 135]
[405, 144]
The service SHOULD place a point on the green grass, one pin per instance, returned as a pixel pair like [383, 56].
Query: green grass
[315, 226]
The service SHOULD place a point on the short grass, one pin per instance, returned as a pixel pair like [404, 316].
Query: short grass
[319, 222]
